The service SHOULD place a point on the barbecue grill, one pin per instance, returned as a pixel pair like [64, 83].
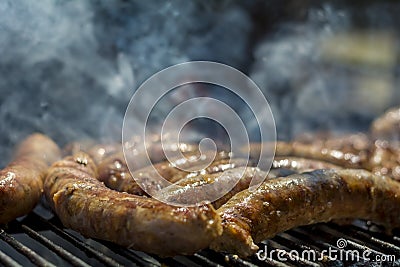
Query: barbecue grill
[69, 68]
[40, 239]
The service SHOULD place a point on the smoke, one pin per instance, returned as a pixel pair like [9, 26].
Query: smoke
[334, 71]
[69, 68]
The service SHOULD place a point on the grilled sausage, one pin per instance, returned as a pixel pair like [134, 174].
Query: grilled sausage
[114, 172]
[348, 143]
[99, 152]
[84, 204]
[338, 157]
[314, 151]
[76, 146]
[156, 152]
[387, 126]
[231, 172]
[302, 164]
[21, 182]
[190, 189]
[319, 196]
[384, 159]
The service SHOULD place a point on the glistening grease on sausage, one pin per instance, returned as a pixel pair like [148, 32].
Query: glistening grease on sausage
[190, 189]
[114, 172]
[21, 182]
[345, 157]
[301, 164]
[319, 196]
[84, 204]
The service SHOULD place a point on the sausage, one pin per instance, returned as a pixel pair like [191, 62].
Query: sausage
[354, 160]
[21, 182]
[190, 189]
[338, 157]
[300, 199]
[86, 205]
[114, 172]
[236, 169]
[387, 126]
[76, 146]
[384, 159]
[302, 164]
[156, 152]
[281, 172]
[350, 143]
[101, 151]
[380, 157]
[97, 151]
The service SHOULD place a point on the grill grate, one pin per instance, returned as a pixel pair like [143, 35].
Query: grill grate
[41, 240]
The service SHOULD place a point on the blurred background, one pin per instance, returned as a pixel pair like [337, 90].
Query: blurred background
[69, 68]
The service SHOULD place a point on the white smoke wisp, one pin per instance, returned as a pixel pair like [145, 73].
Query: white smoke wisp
[69, 68]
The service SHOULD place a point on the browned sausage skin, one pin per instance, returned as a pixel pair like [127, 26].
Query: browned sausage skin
[384, 159]
[301, 199]
[219, 173]
[188, 187]
[21, 182]
[380, 157]
[84, 204]
[352, 143]
[114, 172]
[344, 156]
[334, 156]
[301, 164]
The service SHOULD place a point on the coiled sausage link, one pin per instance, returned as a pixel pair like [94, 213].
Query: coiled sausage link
[319, 196]
[21, 182]
[114, 172]
[86, 205]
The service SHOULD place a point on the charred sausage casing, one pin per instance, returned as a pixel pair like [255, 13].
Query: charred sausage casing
[21, 182]
[319, 196]
[84, 204]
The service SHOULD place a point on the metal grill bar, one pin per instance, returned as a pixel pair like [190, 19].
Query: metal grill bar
[284, 252]
[205, 261]
[180, 261]
[57, 249]
[131, 255]
[351, 241]
[316, 237]
[369, 238]
[27, 252]
[270, 262]
[236, 261]
[218, 258]
[8, 261]
[77, 243]
[389, 239]
[320, 239]
[297, 244]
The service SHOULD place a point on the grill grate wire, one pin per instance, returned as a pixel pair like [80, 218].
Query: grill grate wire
[39, 241]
